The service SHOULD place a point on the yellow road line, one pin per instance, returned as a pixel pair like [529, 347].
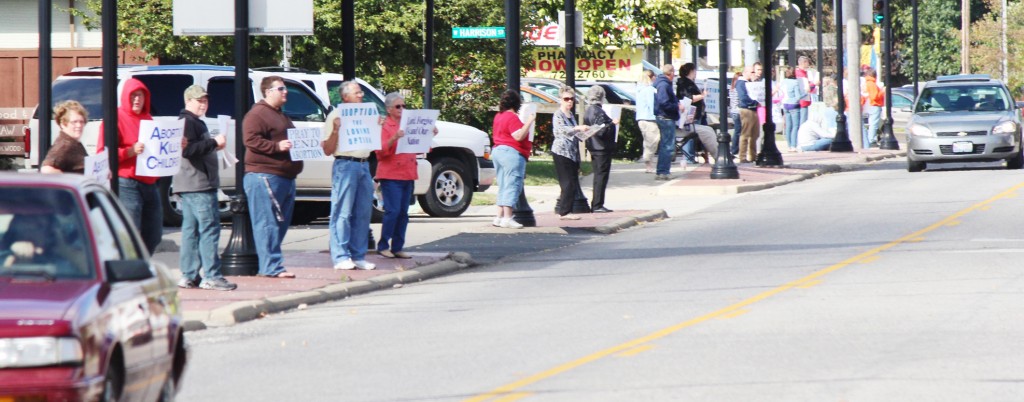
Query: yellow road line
[635, 351]
[733, 314]
[811, 284]
[870, 259]
[508, 389]
[515, 396]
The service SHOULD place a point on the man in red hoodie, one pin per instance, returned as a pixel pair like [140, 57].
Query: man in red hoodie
[139, 194]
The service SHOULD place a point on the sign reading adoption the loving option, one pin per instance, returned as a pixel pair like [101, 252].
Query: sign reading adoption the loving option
[305, 143]
[360, 127]
[419, 131]
[162, 153]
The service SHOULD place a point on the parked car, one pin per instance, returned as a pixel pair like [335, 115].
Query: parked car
[964, 118]
[305, 107]
[85, 315]
[459, 158]
[612, 93]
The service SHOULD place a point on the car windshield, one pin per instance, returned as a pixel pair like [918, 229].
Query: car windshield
[966, 98]
[42, 235]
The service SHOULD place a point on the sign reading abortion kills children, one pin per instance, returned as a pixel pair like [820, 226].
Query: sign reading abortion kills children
[419, 131]
[162, 153]
[360, 127]
[98, 167]
[305, 143]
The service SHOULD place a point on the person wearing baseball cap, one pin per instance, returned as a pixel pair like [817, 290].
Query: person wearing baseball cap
[197, 183]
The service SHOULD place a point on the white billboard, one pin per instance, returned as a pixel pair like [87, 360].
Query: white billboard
[266, 17]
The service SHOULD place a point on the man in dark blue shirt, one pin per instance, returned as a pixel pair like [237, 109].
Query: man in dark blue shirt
[748, 115]
[666, 112]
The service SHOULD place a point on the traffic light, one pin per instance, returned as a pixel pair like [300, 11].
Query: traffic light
[879, 11]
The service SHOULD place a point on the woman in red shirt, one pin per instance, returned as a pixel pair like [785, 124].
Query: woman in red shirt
[396, 174]
[511, 150]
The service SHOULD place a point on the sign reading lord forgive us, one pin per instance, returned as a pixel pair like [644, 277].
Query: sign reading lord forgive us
[360, 127]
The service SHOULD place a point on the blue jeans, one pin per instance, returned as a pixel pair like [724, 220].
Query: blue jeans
[822, 144]
[734, 148]
[666, 146]
[351, 207]
[792, 126]
[805, 112]
[511, 170]
[396, 194]
[200, 235]
[267, 231]
[871, 131]
[142, 201]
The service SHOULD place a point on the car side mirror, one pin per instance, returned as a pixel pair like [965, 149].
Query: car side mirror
[330, 109]
[1020, 105]
[127, 270]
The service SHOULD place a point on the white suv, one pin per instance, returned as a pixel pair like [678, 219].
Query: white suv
[167, 83]
[459, 156]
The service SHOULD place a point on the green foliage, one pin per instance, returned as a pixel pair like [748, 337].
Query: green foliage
[986, 50]
[938, 35]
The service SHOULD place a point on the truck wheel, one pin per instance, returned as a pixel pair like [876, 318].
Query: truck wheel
[449, 193]
[172, 204]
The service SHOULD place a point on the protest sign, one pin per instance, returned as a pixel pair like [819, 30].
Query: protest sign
[711, 101]
[418, 125]
[98, 167]
[525, 111]
[755, 89]
[161, 155]
[305, 143]
[360, 127]
[226, 127]
[614, 112]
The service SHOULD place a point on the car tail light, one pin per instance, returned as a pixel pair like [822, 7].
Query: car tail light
[28, 140]
[487, 152]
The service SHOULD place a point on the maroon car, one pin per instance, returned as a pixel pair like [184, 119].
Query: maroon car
[84, 314]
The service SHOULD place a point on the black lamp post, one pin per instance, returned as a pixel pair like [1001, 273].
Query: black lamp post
[913, 5]
[888, 140]
[45, 76]
[842, 141]
[724, 167]
[428, 57]
[521, 212]
[109, 23]
[240, 258]
[821, 55]
[769, 155]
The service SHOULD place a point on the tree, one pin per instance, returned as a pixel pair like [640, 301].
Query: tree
[938, 38]
[986, 44]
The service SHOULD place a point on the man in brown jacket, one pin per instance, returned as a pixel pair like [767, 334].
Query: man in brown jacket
[270, 175]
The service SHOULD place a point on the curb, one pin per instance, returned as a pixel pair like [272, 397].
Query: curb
[630, 221]
[254, 309]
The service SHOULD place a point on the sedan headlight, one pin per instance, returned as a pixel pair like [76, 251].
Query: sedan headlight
[39, 351]
[920, 131]
[1006, 127]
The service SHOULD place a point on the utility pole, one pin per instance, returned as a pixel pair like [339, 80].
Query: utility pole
[965, 36]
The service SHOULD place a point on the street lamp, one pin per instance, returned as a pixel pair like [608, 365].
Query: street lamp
[842, 141]
[724, 167]
[769, 155]
[888, 140]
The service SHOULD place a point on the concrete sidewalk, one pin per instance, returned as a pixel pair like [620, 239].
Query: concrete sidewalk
[635, 197]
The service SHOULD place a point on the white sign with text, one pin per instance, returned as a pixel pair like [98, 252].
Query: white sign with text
[161, 155]
[97, 167]
[526, 111]
[418, 125]
[360, 127]
[306, 143]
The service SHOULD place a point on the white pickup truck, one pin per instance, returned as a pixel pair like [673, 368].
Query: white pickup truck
[458, 164]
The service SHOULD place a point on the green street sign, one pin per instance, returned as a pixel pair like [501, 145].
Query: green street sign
[478, 32]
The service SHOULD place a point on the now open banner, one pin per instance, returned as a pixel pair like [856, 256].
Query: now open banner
[603, 64]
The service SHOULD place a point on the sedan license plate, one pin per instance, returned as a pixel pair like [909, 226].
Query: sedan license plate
[963, 147]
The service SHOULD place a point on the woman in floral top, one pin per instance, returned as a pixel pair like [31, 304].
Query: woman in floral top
[566, 151]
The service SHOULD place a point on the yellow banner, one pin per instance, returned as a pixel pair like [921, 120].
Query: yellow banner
[604, 64]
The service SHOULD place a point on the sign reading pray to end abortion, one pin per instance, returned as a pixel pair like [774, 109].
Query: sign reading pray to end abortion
[305, 143]
[419, 131]
[161, 155]
[360, 127]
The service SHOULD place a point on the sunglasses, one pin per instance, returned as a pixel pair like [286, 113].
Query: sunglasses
[399, 106]
[281, 89]
[568, 99]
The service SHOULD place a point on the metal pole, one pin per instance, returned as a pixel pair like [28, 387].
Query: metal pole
[842, 141]
[821, 54]
[913, 5]
[1006, 68]
[724, 167]
[888, 138]
[570, 43]
[348, 39]
[240, 258]
[769, 155]
[521, 212]
[45, 111]
[428, 55]
[965, 36]
[109, 26]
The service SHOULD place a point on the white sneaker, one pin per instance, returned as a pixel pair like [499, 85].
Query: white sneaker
[345, 264]
[496, 222]
[509, 223]
[363, 264]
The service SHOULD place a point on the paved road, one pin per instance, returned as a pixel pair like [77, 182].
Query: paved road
[867, 285]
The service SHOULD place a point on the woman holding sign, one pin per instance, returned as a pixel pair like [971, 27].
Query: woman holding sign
[601, 145]
[138, 194]
[67, 154]
[512, 148]
[396, 173]
[565, 149]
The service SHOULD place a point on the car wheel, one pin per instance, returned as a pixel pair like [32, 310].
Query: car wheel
[113, 383]
[172, 204]
[1017, 161]
[914, 166]
[167, 391]
[449, 194]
